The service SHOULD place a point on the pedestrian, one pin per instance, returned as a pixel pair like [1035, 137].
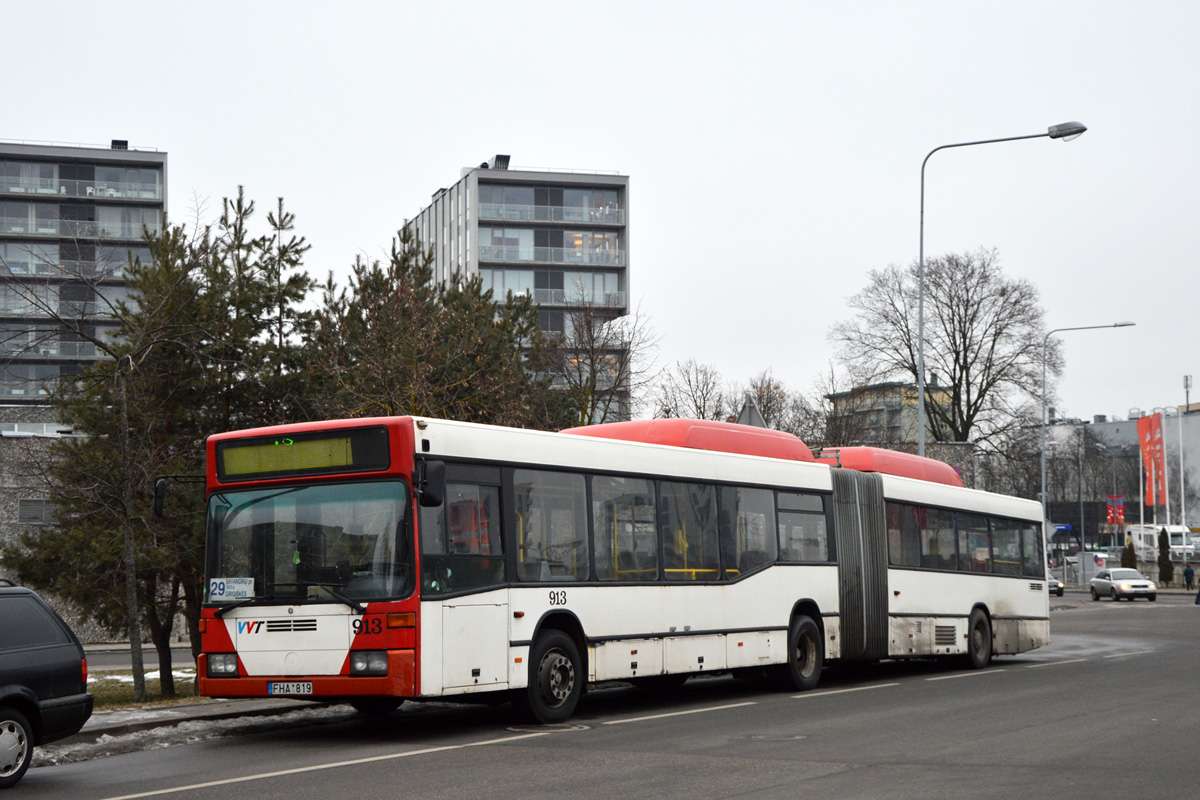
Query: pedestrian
[1189, 575]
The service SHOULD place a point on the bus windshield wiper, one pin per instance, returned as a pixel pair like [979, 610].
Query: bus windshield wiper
[336, 595]
[220, 612]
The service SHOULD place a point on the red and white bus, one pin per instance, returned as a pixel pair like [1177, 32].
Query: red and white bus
[374, 560]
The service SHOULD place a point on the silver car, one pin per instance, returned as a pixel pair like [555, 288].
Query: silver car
[1054, 585]
[1118, 583]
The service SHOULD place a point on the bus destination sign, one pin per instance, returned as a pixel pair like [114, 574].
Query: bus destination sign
[317, 453]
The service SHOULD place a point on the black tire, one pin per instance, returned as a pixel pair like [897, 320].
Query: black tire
[1152, 598]
[376, 706]
[16, 746]
[806, 656]
[1113, 593]
[979, 640]
[1095, 594]
[555, 680]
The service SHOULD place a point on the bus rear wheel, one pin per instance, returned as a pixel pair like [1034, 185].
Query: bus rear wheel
[806, 656]
[979, 640]
[555, 680]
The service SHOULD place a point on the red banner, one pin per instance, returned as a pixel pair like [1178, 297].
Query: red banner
[1116, 509]
[1153, 458]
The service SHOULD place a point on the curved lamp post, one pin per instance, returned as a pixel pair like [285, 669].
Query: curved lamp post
[1045, 357]
[1066, 131]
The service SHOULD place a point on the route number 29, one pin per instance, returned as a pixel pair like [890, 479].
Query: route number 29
[558, 597]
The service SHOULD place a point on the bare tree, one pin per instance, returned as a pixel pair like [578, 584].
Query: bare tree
[835, 414]
[983, 341]
[693, 391]
[604, 362]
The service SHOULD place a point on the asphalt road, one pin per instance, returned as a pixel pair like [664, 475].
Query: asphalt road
[1109, 709]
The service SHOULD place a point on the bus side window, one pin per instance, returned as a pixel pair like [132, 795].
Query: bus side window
[623, 521]
[748, 533]
[461, 544]
[688, 528]
[974, 543]
[804, 529]
[551, 534]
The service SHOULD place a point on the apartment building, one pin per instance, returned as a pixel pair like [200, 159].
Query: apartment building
[70, 216]
[558, 236]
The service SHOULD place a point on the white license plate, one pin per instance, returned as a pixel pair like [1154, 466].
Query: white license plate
[298, 687]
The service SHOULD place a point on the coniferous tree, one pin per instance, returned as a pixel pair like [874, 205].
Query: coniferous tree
[394, 341]
[1166, 570]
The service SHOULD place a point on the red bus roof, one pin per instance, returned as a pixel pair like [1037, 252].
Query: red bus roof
[698, 434]
[891, 462]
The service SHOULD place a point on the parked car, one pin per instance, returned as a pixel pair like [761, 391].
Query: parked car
[1054, 585]
[43, 680]
[1127, 583]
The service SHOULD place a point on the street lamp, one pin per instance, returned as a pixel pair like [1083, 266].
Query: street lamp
[1066, 131]
[1045, 358]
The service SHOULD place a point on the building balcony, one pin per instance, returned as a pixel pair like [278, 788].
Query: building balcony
[67, 270]
[56, 350]
[562, 297]
[578, 216]
[100, 190]
[550, 255]
[75, 229]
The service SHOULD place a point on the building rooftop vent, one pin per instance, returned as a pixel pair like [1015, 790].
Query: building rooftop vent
[500, 162]
[120, 144]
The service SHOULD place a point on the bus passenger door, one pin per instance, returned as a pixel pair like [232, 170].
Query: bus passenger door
[462, 556]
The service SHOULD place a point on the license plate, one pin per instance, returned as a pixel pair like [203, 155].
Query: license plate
[298, 687]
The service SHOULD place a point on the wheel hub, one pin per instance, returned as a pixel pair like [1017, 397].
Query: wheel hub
[12, 748]
[559, 675]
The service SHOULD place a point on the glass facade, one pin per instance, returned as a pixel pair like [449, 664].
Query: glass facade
[70, 220]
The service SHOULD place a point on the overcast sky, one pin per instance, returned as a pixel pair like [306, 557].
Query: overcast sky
[773, 149]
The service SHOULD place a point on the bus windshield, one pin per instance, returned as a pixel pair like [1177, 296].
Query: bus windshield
[330, 543]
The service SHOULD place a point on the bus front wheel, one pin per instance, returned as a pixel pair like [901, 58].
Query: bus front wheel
[806, 656]
[555, 680]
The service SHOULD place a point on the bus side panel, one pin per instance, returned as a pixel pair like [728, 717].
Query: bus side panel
[926, 604]
[626, 658]
[464, 644]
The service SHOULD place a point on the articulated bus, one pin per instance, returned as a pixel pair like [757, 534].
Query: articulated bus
[377, 560]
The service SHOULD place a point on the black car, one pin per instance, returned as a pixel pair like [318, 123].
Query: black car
[43, 680]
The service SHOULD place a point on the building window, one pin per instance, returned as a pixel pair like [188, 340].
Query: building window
[34, 512]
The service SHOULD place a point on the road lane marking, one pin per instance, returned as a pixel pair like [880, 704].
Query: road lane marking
[965, 675]
[1122, 655]
[332, 765]
[679, 713]
[1056, 663]
[842, 691]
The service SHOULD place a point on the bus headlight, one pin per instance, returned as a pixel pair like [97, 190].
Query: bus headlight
[222, 665]
[368, 662]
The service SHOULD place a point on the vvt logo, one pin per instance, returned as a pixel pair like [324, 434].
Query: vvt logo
[249, 626]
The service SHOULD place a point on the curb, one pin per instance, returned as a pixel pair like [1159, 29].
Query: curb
[99, 726]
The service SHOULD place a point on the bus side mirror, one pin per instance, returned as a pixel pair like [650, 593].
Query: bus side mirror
[160, 496]
[431, 483]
